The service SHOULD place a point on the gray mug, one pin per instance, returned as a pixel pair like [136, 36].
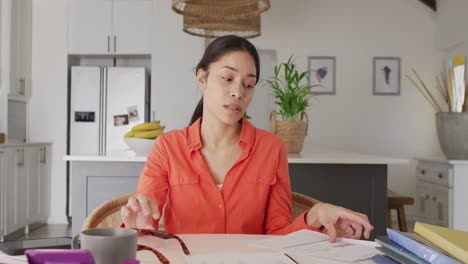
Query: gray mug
[108, 245]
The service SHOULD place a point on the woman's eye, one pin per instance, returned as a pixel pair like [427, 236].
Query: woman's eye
[249, 85]
[226, 79]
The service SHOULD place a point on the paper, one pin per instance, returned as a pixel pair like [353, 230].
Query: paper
[314, 244]
[4, 258]
[296, 238]
[238, 258]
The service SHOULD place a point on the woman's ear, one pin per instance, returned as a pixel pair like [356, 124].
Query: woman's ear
[202, 76]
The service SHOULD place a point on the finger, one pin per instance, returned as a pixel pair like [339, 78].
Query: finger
[354, 217]
[367, 232]
[357, 230]
[349, 232]
[331, 231]
[144, 204]
[128, 218]
[133, 204]
[154, 209]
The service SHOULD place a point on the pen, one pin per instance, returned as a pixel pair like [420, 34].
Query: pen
[291, 258]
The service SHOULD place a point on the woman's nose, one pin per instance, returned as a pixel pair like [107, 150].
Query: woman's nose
[236, 91]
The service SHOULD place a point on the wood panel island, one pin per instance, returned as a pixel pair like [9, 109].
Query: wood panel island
[352, 180]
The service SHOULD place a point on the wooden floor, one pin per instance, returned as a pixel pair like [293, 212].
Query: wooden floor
[42, 231]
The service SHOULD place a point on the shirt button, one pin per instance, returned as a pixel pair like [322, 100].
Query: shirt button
[260, 180]
[220, 206]
[181, 180]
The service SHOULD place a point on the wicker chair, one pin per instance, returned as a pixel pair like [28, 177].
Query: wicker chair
[108, 213]
[301, 203]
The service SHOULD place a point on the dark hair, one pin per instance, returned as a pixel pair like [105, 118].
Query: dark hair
[218, 48]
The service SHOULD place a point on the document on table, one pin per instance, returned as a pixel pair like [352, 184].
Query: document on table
[305, 243]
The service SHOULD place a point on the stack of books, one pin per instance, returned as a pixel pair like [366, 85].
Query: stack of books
[428, 244]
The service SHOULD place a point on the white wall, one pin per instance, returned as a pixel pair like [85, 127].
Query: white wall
[452, 36]
[48, 104]
[356, 31]
[174, 92]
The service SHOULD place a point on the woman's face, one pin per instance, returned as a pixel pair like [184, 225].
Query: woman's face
[228, 86]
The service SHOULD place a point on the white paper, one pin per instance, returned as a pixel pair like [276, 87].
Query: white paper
[4, 258]
[314, 244]
[303, 236]
[237, 258]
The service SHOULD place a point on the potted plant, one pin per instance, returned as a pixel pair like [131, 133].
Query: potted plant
[291, 91]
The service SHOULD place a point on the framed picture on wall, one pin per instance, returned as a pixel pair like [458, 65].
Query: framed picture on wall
[386, 76]
[322, 73]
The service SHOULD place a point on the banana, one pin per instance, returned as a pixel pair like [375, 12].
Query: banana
[146, 126]
[129, 134]
[149, 133]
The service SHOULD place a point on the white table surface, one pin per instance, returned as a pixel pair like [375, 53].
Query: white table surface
[310, 154]
[210, 243]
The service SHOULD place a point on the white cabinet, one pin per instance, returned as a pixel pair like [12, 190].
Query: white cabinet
[15, 210]
[44, 185]
[109, 26]
[21, 46]
[2, 193]
[442, 192]
[25, 186]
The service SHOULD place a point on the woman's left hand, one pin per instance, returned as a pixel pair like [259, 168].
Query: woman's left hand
[334, 217]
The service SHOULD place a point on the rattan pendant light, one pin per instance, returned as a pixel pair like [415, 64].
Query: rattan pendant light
[214, 18]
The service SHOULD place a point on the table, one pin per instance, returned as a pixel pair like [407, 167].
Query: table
[209, 243]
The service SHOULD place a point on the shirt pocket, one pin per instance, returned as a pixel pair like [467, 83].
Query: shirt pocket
[263, 177]
[184, 179]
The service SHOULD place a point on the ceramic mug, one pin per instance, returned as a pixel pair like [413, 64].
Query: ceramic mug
[108, 245]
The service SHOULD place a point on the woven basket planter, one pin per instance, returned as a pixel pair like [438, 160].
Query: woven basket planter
[291, 132]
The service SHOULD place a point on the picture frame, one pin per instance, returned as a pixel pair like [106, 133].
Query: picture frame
[322, 71]
[386, 76]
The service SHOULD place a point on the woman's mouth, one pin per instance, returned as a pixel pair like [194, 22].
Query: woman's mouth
[232, 107]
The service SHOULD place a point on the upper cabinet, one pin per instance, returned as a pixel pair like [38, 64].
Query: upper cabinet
[109, 26]
[21, 46]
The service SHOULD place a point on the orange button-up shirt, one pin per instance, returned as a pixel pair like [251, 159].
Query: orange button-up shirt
[255, 197]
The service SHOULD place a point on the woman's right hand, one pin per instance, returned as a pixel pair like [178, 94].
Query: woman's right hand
[139, 212]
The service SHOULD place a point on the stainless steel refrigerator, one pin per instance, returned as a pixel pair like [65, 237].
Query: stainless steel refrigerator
[105, 102]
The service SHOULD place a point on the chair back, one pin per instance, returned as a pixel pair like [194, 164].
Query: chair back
[107, 214]
[301, 203]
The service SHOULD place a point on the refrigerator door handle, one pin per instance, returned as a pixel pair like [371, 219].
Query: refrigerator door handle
[104, 112]
[101, 84]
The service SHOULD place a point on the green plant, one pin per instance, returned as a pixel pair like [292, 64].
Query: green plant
[292, 96]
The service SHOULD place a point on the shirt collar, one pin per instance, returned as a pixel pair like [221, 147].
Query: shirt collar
[247, 135]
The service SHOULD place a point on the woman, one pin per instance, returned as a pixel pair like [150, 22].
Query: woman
[221, 174]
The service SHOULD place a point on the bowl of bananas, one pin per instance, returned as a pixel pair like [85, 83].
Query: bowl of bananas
[141, 137]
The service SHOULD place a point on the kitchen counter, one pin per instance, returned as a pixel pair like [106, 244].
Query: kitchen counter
[23, 144]
[353, 180]
[310, 154]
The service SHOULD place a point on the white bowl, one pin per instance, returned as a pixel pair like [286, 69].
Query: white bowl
[141, 146]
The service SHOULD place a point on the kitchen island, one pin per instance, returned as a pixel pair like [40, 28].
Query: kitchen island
[352, 180]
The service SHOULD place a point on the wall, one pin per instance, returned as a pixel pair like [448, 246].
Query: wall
[48, 104]
[451, 35]
[354, 32]
[174, 89]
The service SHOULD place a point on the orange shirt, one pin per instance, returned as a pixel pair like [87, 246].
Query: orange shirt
[255, 197]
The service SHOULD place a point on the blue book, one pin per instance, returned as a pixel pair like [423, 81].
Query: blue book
[383, 259]
[421, 250]
[397, 252]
